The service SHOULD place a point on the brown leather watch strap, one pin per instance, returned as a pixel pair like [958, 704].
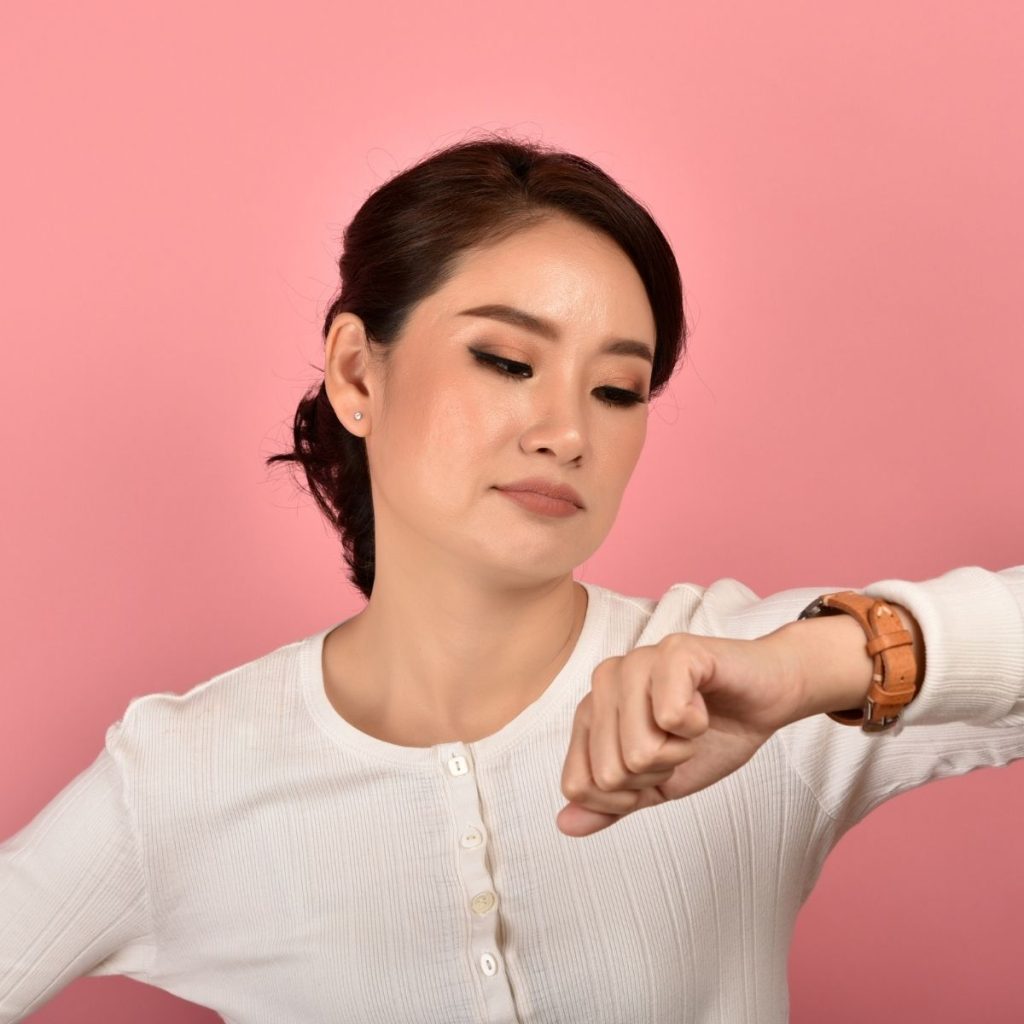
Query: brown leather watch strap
[894, 681]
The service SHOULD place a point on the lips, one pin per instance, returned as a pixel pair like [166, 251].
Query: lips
[549, 488]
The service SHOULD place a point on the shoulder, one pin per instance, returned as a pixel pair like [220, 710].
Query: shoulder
[236, 709]
[641, 619]
[726, 607]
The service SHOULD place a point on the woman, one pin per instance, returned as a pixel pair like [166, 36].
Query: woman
[497, 793]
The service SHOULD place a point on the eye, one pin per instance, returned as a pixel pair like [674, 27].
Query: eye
[509, 368]
[502, 365]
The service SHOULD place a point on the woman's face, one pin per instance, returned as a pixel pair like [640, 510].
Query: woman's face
[453, 428]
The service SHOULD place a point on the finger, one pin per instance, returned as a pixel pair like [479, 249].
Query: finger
[647, 750]
[607, 768]
[578, 784]
[576, 768]
[676, 701]
[575, 820]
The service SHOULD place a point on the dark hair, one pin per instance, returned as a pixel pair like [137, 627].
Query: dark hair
[403, 244]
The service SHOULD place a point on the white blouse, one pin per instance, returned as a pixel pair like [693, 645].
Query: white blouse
[244, 847]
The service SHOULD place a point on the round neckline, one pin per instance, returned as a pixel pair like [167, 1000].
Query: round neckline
[347, 735]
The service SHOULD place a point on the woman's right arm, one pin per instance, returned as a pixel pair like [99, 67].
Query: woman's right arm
[73, 896]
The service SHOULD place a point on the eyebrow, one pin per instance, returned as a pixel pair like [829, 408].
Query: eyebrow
[546, 329]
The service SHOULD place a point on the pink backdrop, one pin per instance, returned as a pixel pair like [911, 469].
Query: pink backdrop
[841, 184]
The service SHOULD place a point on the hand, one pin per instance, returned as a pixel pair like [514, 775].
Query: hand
[669, 719]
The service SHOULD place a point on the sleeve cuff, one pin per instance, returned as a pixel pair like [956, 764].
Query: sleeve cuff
[972, 622]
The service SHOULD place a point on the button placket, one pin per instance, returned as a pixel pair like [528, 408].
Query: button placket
[479, 893]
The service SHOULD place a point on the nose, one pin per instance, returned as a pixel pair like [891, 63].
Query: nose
[557, 424]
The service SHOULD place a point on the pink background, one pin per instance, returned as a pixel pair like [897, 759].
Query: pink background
[841, 184]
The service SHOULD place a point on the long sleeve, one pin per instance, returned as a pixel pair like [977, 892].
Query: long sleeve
[73, 898]
[968, 714]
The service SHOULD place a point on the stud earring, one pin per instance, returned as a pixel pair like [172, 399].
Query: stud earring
[358, 416]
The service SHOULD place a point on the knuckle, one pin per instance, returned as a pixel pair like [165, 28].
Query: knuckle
[573, 789]
[606, 780]
[668, 718]
[636, 761]
[707, 660]
[674, 641]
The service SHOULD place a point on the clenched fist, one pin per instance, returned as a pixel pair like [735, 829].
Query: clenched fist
[668, 719]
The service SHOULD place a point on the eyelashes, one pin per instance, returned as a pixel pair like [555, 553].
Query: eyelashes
[508, 368]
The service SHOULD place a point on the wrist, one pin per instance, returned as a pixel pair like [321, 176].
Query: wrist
[831, 664]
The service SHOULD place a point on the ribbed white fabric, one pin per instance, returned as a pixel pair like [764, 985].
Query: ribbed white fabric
[244, 847]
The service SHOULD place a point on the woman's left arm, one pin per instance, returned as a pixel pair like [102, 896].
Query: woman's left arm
[968, 631]
[970, 627]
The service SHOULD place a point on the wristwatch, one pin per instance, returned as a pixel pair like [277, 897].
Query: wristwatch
[894, 682]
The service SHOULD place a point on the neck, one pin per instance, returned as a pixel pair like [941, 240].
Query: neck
[439, 661]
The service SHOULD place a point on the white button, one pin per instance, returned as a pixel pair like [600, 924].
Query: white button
[488, 965]
[482, 902]
[458, 765]
[471, 837]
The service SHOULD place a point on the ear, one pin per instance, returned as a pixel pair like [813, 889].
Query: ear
[347, 379]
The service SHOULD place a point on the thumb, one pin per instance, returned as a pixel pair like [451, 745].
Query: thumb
[575, 820]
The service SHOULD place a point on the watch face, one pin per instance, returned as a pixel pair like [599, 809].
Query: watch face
[812, 610]
[816, 608]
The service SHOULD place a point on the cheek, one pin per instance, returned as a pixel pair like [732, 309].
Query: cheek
[620, 452]
[621, 442]
[437, 434]
[459, 419]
